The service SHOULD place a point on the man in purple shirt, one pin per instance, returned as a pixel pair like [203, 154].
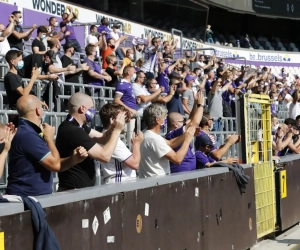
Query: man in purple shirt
[66, 25]
[95, 75]
[104, 27]
[124, 92]
[177, 127]
[203, 158]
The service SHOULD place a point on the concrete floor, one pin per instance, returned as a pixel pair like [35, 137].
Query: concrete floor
[289, 240]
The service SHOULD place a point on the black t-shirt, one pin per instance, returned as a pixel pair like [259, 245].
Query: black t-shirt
[66, 61]
[114, 78]
[39, 44]
[31, 61]
[70, 136]
[15, 42]
[11, 83]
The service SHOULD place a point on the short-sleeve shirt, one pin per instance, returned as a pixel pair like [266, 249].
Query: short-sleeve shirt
[26, 175]
[215, 104]
[66, 61]
[139, 90]
[39, 44]
[91, 39]
[175, 104]
[11, 83]
[202, 159]
[71, 135]
[189, 95]
[87, 79]
[126, 61]
[294, 110]
[105, 53]
[189, 161]
[31, 61]
[115, 170]
[14, 42]
[153, 149]
[70, 28]
[114, 78]
[125, 89]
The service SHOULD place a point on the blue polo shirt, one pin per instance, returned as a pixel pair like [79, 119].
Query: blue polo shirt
[189, 161]
[203, 159]
[125, 89]
[26, 176]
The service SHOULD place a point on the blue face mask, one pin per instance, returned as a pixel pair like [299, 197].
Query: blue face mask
[162, 126]
[90, 114]
[20, 65]
[43, 37]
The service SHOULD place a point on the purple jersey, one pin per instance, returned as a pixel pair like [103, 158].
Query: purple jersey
[70, 28]
[163, 80]
[87, 79]
[189, 161]
[202, 159]
[125, 89]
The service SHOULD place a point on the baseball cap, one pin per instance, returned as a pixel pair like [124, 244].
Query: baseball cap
[189, 78]
[68, 45]
[52, 55]
[202, 141]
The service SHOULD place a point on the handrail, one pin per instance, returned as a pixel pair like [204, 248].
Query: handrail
[237, 58]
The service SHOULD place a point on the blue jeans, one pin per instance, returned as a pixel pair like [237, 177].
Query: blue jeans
[76, 44]
[119, 53]
[216, 127]
[210, 40]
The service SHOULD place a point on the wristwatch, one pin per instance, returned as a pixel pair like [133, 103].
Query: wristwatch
[200, 105]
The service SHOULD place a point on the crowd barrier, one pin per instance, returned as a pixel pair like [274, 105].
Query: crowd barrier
[182, 211]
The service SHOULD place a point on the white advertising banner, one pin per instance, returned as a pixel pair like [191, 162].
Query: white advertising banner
[56, 8]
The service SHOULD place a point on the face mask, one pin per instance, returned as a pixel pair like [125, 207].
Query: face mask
[20, 65]
[274, 128]
[107, 23]
[275, 98]
[1, 33]
[133, 77]
[90, 114]
[162, 126]
[112, 46]
[145, 81]
[44, 117]
[73, 52]
[156, 86]
[131, 56]
[20, 22]
[187, 56]
[43, 37]
[56, 24]
[95, 33]
[115, 64]
[2, 147]
[219, 90]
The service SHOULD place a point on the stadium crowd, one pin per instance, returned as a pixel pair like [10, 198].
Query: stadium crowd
[186, 94]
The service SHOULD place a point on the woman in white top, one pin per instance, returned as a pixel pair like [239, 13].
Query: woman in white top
[156, 152]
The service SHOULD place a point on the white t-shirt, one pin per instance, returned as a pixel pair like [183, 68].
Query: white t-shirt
[58, 65]
[287, 104]
[140, 90]
[294, 110]
[4, 47]
[153, 149]
[114, 35]
[92, 40]
[115, 170]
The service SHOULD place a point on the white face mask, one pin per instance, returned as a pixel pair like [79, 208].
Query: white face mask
[275, 98]
[20, 22]
[274, 128]
[56, 24]
[219, 90]
[131, 56]
[157, 87]
[133, 77]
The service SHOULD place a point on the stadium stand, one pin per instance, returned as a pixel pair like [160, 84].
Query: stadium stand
[169, 78]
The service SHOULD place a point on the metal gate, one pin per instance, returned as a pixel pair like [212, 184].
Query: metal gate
[255, 125]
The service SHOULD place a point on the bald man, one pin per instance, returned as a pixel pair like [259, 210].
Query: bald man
[177, 126]
[74, 131]
[33, 155]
